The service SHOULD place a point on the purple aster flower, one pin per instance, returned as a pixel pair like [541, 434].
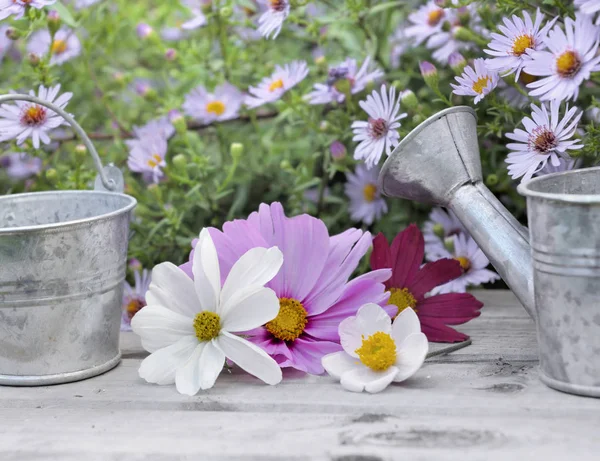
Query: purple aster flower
[63, 48]
[17, 8]
[312, 286]
[147, 156]
[134, 297]
[20, 166]
[28, 120]
[143, 30]
[206, 108]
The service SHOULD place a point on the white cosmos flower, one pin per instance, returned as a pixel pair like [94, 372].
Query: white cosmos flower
[64, 47]
[518, 37]
[366, 203]
[279, 82]
[590, 7]
[548, 138]
[478, 82]
[17, 8]
[473, 263]
[377, 352]
[205, 107]
[271, 20]
[380, 132]
[189, 325]
[572, 56]
[28, 120]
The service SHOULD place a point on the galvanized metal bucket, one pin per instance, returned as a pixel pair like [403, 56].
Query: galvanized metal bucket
[62, 266]
[564, 221]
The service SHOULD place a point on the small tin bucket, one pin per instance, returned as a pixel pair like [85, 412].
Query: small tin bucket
[62, 266]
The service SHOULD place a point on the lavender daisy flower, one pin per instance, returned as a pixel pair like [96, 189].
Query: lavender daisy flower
[346, 74]
[427, 21]
[17, 8]
[400, 45]
[380, 131]
[473, 264]
[366, 203]
[271, 20]
[589, 7]
[147, 156]
[161, 126]
[20, 166]
[440, 226]
[547, 139]
[63, 48]
[134, 298]
[519, 37]
[277, 84]
[312, 285]
[198, 19]
[205, 107]
[29, 120]
[570, 60]
[478, 82]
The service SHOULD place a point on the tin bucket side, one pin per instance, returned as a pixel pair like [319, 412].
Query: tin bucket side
[564, 218]
[62, 266]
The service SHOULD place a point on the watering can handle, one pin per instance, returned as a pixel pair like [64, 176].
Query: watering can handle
[108, 183]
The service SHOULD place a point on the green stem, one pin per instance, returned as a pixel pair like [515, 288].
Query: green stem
[447, 350]
[324, 182]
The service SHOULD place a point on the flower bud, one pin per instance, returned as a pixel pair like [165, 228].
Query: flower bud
[144, 31]
[226, 12]
[171, 54]
[464, 16]
[135, 264]
[180, 162]
[457, 62]
[430, 74]
[446, 26]
[418, 118]
[491, 180]
[438, 230]
[409, 99]
[33, 59]
[80, 151]
[156, 192]
[236, 150]
[53, 20]
[321, 60]
[449, 244]
[52, 175]
[343, 85]
[464, 34]
[13, 34]
[285, 165]
[324, 125]
[178, 121]
[337, 150]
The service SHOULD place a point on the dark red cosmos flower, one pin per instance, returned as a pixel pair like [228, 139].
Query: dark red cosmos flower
[410, 282]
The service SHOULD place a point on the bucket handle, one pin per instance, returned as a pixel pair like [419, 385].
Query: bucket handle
[109, 184]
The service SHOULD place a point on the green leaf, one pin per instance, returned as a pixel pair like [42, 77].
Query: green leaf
[65, 14]
[385, 6]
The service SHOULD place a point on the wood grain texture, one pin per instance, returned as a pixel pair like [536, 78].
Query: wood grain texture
[484, 402]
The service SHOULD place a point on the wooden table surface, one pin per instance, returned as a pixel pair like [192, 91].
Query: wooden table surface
[484, 402]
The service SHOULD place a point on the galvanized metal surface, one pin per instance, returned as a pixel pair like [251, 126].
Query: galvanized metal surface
[438, 163]
[62, 265]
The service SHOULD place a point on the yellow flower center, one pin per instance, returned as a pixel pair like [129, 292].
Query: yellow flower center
[521, 43]
[207, 325]
[276, 85]
[58, 46]
[278, 5]
[33, 115]
[154, 161]
[133, 307]
[568, 64]
[378, 351]
[465, 263]
[434, 17]
[481, 84]
[402, 298]
[216, 107]
[290, 322]
[369, 192]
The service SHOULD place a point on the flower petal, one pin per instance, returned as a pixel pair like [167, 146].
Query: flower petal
[256, 309]
[408, 249]
[173, 289]
[338, 363]
[433, 274]
[160, 367]
[411, 355]
[369, 319]
[249, 357]
[207, 275]
[381, 255]
[187, 377]
[160, 327]
[251, 272]
[363, 378]
[406, 324]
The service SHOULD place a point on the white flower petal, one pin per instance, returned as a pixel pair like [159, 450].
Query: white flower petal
[255, 310]
[160, 327]
[366, 379]
[338, 363]
[188, 376]
[172, 288]
[207, 274]
[249, 357]
[411, 355]
[160, 367]
[405, 324]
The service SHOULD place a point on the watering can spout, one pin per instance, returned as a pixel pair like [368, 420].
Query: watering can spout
[438, 163]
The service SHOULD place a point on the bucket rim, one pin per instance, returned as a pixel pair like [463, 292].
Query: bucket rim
[132, 202]
[527, 191]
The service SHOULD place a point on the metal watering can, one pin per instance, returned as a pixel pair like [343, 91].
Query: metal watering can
[62, 266]
[553, 268]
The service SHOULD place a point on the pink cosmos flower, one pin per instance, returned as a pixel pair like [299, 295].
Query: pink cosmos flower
[410, 283]
[312, 286]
